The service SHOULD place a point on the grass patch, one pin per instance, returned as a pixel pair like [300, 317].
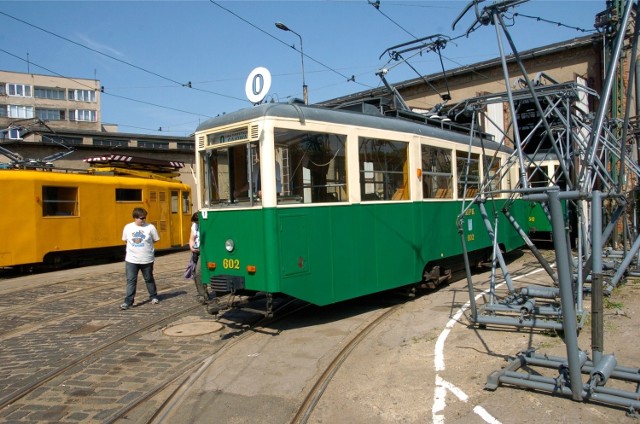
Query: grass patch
[610, 304]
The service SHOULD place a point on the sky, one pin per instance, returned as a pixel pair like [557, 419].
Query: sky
[167, 66]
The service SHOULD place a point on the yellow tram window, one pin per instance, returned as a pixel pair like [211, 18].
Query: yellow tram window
[186, 203]
[128, 195]
[59, 201]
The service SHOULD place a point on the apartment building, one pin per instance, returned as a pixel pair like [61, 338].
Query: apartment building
[61, 102]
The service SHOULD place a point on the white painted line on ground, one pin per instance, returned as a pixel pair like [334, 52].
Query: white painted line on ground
[441, 385]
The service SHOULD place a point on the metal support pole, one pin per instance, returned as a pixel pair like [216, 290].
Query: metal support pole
[597, 323]
[622, 268]
[512, 110]
[566, 293]
[503, 265]
[467, 268]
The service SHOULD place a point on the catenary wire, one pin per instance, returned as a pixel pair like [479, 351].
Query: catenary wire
[104, 92]
[348, 79]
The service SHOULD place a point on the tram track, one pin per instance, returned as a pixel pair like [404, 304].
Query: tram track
[311, 399]
[47, 320]
[41, 380]
[188, 376]
[185, 381]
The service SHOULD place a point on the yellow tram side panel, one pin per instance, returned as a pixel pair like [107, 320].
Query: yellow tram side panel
[98, 221]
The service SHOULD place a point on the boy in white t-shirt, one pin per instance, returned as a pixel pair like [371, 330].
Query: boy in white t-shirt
[140, 255]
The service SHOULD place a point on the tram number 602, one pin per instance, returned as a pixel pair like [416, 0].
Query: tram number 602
[231, 264]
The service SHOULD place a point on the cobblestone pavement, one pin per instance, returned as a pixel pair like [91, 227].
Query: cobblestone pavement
[52, 320]
[56, 319]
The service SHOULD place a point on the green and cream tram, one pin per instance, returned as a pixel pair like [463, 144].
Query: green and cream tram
[326, 205]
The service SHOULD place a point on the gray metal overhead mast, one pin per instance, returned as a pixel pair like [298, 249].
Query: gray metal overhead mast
[583, 148]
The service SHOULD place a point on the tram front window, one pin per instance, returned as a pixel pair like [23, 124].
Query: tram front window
[229, 177]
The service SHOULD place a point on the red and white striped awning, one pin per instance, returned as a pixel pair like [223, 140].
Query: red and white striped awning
[136, 161]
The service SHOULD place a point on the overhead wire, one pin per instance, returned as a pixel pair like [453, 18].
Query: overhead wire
[348, 79]
[376, 4]
[560, 24]
[181, 84]
[101, 90]
[91, 49]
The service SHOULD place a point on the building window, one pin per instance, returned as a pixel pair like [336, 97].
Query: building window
[14, 134]
[153, 145]
[106, 142]
[59, 201]
[48, 93]
[50, 114]
[62, 140]
[83, 115]
[3, 90]
[15, 111]
[186, 146]
[82, 95]
[19, 90]
[128, 195]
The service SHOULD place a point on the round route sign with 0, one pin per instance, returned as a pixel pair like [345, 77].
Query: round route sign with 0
[258, 84]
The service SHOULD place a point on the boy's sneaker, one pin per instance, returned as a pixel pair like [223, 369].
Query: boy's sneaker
[155, 301]
[124, 306]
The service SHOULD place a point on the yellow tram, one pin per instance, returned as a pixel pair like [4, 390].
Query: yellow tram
[55, 216]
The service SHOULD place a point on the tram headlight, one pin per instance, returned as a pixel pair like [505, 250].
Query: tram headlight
[229, 245]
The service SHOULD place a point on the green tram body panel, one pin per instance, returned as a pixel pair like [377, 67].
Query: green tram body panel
[327, 254]
[538, 222]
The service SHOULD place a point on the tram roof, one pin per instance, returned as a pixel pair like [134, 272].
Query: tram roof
[346, 117]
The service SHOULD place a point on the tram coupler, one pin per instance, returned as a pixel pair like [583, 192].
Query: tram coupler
[214, 306]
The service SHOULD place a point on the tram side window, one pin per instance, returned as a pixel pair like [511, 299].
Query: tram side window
[175, 205]
[186, 203]
[437, 176]
[59, 201]
[311, 166]
[493, 165]
[128, 195]
[383, 169]
[543, 175]
[468, 174]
